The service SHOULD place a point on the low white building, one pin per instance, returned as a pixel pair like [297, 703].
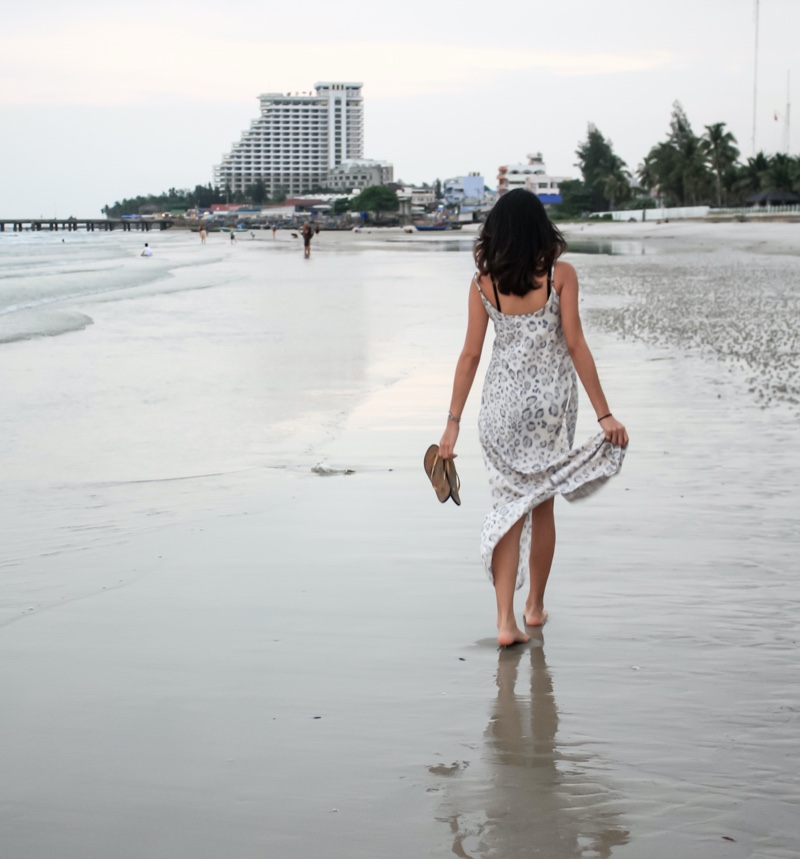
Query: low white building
[360, 173]
[418, 196]
[532, 176]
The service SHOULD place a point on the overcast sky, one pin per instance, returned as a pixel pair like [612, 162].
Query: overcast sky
[100, 101]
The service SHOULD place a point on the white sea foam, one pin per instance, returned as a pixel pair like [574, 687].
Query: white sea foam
[39, 272]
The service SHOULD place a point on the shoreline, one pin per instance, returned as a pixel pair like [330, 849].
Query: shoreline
[754, 235]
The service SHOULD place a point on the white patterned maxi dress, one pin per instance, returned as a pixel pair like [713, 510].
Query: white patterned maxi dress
[529, 408]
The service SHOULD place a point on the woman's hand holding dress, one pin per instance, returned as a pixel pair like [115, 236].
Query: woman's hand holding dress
[615, 431]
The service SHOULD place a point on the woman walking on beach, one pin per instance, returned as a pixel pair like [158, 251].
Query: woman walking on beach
[308, 233]
[529, 405]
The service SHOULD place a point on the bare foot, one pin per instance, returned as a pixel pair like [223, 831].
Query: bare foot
[510, 633]
[535, 617]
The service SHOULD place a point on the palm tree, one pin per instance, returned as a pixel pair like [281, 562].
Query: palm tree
[753, 176]
[780, 173]
[649, 175]
[616, 181]
[677, 165]
[694, 173]
[719, 147]
[605, 174]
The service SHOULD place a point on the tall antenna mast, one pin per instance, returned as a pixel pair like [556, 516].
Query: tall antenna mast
[755, 82]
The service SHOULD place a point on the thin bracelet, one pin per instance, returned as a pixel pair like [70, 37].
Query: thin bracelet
[609, 415]
[453, 418]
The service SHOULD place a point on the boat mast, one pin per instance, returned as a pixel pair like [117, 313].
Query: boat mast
[787, 129]
[755, 82]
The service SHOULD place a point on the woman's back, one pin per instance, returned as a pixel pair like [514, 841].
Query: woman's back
[529, 402]
[516, 305]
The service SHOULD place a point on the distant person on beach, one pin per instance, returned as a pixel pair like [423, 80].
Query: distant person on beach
[316, 229]
[147, 252]
[530, 402]
[274, 228]
[308, 232]
[203, 235]
[233, 237]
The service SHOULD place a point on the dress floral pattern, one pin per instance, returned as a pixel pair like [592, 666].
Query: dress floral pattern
[529, 409]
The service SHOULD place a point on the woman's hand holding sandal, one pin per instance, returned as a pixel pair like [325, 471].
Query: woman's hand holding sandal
[448, 441]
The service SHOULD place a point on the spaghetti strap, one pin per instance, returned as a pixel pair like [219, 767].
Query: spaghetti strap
[478, 287]
[496, 295]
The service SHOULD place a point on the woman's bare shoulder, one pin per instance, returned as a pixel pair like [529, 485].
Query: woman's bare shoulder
[565, 269]
[484, 283]
[563, 274]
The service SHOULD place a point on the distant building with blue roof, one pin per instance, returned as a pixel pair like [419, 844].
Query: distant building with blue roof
[532, 176]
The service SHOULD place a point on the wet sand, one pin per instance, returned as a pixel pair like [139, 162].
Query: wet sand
[295, 664]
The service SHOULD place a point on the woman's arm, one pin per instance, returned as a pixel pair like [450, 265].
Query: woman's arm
[466, 368]
[582, 356]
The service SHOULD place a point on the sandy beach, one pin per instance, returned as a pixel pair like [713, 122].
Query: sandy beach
[236, 622]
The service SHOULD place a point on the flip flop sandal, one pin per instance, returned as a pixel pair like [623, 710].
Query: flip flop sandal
[453, 480]
[435, 469]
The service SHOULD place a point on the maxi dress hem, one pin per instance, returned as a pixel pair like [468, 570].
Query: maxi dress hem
[575, 476]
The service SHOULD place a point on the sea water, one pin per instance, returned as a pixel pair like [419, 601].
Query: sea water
[136, 391]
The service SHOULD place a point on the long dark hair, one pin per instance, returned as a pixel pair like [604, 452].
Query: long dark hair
[517, 243]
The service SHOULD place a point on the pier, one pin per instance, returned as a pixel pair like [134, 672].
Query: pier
[72, 225]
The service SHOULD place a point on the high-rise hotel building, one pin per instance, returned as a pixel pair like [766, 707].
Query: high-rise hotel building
[297, 140]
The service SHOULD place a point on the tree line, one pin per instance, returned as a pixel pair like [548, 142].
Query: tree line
[377, 199]
[685, 169]
[202, 197]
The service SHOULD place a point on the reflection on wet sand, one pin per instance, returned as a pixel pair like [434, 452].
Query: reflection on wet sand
[607, 248]
[530, 796]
